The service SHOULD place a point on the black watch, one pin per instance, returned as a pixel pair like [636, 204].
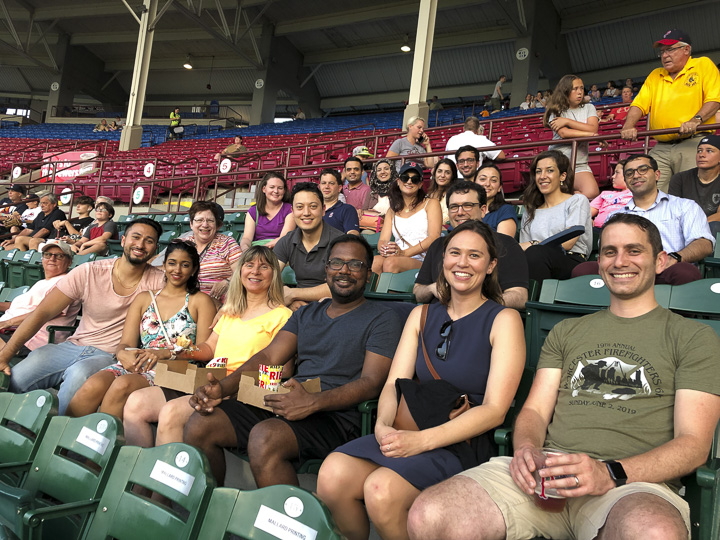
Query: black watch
[675, 255]
[617, 472]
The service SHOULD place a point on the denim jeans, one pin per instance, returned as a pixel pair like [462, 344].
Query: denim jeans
[66, 364]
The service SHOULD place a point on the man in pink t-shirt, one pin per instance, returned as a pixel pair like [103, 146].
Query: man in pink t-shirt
[356, 193]
[105, 289]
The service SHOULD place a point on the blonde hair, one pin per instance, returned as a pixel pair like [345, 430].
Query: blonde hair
[236, 300]
[414, 120]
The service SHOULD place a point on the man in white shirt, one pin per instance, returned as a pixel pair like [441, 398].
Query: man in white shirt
[470, 137]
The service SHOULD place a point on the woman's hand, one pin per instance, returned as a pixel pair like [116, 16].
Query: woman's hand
[128, 359]
[390, 249]
[403, 444]
[558, 122]
[381, 430]
[219, 289]
[146, 360]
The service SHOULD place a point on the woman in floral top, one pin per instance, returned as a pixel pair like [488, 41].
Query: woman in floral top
[163, 323]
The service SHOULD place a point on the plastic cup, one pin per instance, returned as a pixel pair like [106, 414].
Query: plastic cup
[547, 498]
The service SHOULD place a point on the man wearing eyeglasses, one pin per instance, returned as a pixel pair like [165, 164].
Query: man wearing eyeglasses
[471, 136]
[684, 93]
[683, 227]
[466, 201]
[346, 341]
[56, 259]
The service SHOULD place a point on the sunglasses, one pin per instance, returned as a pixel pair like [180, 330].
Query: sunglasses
[442, 349]
[405, 178]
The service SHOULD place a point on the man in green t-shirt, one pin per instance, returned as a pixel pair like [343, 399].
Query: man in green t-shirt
[628, 396]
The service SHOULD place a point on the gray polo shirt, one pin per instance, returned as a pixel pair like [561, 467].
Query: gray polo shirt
[309, 268]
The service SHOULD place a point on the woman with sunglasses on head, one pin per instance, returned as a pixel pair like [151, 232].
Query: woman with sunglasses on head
[414, 220]
[157, 321]
[501, 216]
[443, 175]
[474, 344]
[551, 206]
[271, 218]
[95, 237]
[253, 314]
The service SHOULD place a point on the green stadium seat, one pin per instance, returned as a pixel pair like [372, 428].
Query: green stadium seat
[9, 294]
[33, 270]
[23, 421]
[268, 513]
[80, 259]
[7, 257]
[165, 239]
[168, 223]
[288, 277]
[394, 287]
[178, 472]
[72, 464]
[16, 268]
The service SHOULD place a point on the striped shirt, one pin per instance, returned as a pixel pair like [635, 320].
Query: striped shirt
[215, 262]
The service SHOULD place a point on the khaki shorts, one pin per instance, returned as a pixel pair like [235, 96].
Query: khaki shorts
[582, 518]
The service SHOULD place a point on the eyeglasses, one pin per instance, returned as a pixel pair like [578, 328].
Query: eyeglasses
[200, 221]
[354, 265]
[641, 170]
[56, 256]
[468, 161]
[445, 331]
[669, 51]
[101, 209]
[405, 178]
[467, 207]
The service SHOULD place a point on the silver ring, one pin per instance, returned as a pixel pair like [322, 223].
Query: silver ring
[577, 482]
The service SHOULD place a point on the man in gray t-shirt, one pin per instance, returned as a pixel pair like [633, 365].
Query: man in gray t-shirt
[497, 94]
[346, 341]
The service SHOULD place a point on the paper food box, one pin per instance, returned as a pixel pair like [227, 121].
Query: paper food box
[183, 376]
[249, 392]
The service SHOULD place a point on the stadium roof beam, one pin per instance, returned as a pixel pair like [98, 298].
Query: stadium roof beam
[360, 15]
[628, 10]
[514, 12]
[454, 39]
[11, 26]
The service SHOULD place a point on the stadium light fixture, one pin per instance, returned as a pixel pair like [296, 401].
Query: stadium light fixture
[187, 64]
[406, 44]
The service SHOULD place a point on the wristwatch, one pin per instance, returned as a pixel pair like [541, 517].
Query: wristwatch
[617, 472]
[675, 255]
[698, 117]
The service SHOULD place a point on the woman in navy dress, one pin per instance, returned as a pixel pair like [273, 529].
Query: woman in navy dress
[472, 342]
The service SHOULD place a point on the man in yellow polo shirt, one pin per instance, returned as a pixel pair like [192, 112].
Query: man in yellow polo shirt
[684, 93]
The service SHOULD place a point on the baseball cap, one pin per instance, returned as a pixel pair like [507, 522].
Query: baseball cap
[410, 165]
[671, 37]
[362, 151]
[18, 188]
[712, 140]
[64, 246]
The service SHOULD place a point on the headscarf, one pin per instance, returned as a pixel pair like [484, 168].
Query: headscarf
[381, 188]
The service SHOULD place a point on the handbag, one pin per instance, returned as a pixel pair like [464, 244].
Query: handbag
[443, 394]
[371, 222]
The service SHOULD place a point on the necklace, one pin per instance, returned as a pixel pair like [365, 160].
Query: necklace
[117, 277]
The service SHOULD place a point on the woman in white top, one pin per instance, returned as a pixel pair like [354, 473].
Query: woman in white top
[550, 208]
[413, 220]
[569, 117]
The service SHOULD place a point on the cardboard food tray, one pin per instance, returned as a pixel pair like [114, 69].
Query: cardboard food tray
[249, 392]
[183, 376]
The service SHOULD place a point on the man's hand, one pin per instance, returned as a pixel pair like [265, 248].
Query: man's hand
[592, 475]
[629, 134]
[522, 467]
[403, 443]
[295, 405]
[207, 397]
[689, 127]
[288, 295]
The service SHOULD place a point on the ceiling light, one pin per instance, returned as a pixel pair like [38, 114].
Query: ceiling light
[406, 44]
[187, 64]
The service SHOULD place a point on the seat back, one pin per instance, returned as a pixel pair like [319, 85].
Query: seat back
[268, 513]
[23, 420]
[700, 297]
[582, 290]
[176, 471]
[80, 259]
[288, 277]
[33, 271]
[9, 294]
[71, 465]
[16, 268]
[394, 287]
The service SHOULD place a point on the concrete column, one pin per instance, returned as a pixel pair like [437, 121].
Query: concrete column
[63, 95]
[266, 81]
[131, 136]
[417, 106]
[547, 51]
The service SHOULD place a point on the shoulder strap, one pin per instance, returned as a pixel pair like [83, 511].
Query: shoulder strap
[160, 321]
[423, 318]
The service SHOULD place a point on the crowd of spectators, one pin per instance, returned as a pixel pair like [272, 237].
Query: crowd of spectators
[427, 460]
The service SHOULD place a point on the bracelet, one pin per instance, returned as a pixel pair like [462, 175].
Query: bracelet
[421, 246]
[534, 242]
